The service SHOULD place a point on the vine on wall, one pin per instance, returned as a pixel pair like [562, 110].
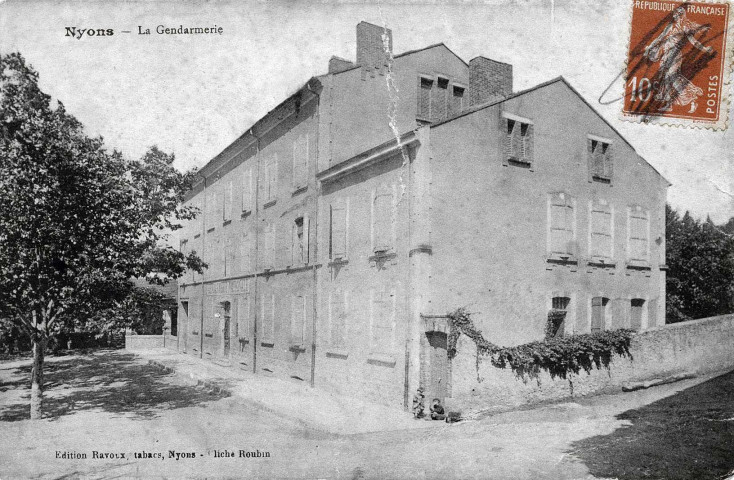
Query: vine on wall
[559, 356]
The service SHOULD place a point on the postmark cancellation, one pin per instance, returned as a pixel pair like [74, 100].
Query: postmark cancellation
[678, 63]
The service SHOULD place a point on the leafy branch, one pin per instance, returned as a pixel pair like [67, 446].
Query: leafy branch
[559, 356]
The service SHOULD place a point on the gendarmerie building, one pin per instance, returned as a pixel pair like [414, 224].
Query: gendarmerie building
[342, 227]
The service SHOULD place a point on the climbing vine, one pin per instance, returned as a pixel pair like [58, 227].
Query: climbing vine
[559, 356]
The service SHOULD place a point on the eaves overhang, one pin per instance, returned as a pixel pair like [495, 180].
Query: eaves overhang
[368, 158]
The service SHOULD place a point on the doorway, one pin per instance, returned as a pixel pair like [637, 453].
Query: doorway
[438, 371]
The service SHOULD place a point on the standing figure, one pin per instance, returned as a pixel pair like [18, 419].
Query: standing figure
[667, 49]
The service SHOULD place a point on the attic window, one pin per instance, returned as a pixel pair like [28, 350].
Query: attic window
[601, 163]
[457, 99]
[518, 141]
[424, 99]
[443, 82]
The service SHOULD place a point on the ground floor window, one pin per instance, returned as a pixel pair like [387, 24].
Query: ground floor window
[598, 313]
[636, 306]
[557, 317]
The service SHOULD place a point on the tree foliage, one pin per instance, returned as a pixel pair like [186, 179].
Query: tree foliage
[76, 220]
[700, 259]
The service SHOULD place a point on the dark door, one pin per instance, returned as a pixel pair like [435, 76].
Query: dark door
[439, 369]
[227, 318]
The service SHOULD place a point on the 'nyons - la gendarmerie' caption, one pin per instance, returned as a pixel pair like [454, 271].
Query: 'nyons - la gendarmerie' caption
[80, 33]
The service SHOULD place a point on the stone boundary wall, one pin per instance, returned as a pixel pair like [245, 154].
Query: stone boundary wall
[143, 342]
[683, 349]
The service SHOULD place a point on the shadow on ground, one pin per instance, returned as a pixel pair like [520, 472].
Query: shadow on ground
[109, 381]
[684, 436]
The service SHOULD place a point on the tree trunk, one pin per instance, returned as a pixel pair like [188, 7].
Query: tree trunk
[39, 348]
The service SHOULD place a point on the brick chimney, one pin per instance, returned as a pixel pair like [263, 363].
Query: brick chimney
[488, 80]
[337, 64]
[370, 46]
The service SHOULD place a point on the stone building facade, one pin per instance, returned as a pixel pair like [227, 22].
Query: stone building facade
[342, 227]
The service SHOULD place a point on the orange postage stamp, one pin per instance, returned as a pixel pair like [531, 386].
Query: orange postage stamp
[678, 63]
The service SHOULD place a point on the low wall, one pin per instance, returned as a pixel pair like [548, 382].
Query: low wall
[695, 347]
[143, 342]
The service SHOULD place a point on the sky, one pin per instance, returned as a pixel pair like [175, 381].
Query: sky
[193, 95]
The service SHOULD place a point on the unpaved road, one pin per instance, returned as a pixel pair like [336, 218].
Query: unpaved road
[112, 403]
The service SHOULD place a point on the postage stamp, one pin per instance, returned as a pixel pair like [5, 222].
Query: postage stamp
[678, 63]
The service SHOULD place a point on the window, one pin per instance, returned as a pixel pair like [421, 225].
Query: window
[518, 141]
[600, 159]
[636, 311]
[562, 222]
[268, 318]
[439, 99]
[557, 316]
[382, 221]
[227, 207]
[211, 210]
[300, 162]
[299, 234]
[338, 231]
[270, 183]
[598, 313]
[337, 318]
[268, 252]
[244, 328]
[227, 257]
[383, 303]
[638, 234]
[247, 190]
[424, 98]
[457, 100]
[601, 230]
[298, 319]
[245, 256]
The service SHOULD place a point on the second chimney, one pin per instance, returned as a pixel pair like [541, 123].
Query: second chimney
[488, 80]
[370, 46]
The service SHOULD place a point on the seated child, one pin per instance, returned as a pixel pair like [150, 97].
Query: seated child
[437, 410]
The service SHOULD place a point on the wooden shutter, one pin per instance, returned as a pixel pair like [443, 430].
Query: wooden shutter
[598, 305]
[382, 221]
[609, 162]
[561, 227]
[638, 234]
[227, 207]
[338, 231]
[590, 158]
[298, 323]
[245, 248]
[306, 240]
[300, 161]
[247, 190]
[601, 232]
[337, 318]
[424, 98]
[527, 142]
[243, 315]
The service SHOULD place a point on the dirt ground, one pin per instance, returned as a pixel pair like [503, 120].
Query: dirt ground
[114, 404]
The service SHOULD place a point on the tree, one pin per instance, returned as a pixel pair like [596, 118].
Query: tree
[700, 258]
[76, 220]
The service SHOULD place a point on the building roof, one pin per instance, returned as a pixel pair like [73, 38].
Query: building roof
[211, 166]
[491, 103]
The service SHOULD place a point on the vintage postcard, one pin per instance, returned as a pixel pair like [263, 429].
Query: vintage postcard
[366, 240]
